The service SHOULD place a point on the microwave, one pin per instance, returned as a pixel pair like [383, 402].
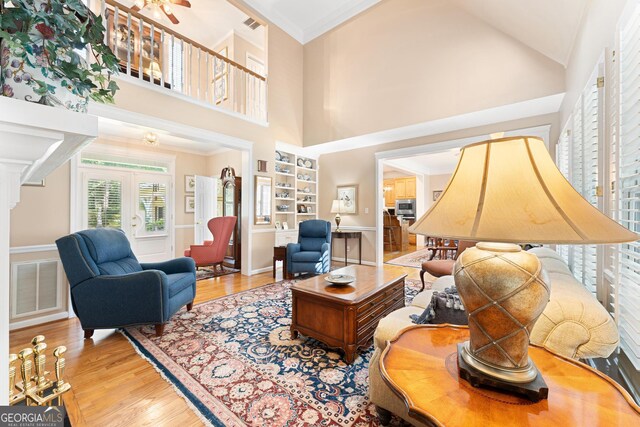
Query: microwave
[406, 207]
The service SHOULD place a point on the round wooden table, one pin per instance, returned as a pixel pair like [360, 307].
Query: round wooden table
[420, 366]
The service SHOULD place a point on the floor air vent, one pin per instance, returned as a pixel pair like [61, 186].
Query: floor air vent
[36, 288]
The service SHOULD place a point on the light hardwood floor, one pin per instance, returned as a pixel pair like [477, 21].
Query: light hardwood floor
[111, 384]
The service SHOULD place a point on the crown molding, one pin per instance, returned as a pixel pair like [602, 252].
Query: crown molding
[335, 18]
[278, 19]
[323, 25]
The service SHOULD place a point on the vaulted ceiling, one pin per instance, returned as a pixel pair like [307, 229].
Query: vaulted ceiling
[548, 26]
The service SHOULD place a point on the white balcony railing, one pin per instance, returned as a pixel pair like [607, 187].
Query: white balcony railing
[159, 56]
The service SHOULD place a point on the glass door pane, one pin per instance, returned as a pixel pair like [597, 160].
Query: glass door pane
[103, 201]
[152, 205]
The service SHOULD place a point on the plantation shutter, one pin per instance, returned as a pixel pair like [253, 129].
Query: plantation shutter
[629, 189]
[610, 261]
[104, 203]
[562, 160]
[576, 163]
[590, 130]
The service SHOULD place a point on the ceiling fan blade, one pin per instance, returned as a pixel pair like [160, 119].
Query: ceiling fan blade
[184, 3]
[171, 16]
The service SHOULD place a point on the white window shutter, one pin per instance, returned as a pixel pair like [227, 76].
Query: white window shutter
[562, 160]
[628, 188]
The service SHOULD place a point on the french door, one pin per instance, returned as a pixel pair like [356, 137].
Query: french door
[139, 203]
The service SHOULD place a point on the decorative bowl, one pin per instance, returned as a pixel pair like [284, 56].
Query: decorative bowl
[339, 279]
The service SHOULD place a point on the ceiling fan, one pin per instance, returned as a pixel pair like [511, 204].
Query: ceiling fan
[161, 5]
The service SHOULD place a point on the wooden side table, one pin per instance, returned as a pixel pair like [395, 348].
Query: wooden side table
[420, 366]
[280, 254]
[346, 235]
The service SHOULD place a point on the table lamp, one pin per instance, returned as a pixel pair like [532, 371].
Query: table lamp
[506, 192]
[336, 207]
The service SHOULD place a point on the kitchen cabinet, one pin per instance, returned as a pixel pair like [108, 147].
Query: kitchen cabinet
[410, 190]
[389, 186]
[401, 188]
[405, 188]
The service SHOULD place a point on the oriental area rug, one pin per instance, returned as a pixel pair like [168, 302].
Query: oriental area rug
[414, 259]
[208, 273]
[234, 362]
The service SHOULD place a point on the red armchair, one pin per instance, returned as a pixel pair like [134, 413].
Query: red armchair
[211, 253]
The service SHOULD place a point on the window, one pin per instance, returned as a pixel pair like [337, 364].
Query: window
[562, 160]
[152, 200]
[628, 188]
[104, 203]
[577, 158]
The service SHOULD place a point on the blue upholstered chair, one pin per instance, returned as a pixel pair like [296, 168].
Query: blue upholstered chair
[111, 289]
[312, 253]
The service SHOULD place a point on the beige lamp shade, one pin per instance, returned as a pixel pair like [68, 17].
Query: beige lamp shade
[337, 206]
[509, 190]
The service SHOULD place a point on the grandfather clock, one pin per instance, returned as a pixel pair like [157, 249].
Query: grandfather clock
[231, 199]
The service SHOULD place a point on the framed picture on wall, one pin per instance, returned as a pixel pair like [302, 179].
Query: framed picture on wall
[189, 183]
[436, 194]
[189, 204]
[349, 196]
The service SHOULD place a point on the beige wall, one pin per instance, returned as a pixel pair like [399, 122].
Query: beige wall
[358, 167]
[33, 226]
[43, 212]
[436, 183]
[409, 61]
[217, 162]
[597, 32]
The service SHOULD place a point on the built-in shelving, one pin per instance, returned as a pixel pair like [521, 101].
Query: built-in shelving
[293, 175]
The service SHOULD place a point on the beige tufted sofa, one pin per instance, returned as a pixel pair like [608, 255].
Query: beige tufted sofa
[573, 324]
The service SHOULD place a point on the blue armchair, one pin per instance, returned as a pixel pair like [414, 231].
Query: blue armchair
[111, 289]
[312, 253]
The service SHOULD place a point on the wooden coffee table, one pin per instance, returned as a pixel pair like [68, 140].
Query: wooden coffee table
[346, 316]
[420, 366]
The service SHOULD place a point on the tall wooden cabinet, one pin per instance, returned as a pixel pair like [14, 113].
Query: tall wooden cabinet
[231, 197]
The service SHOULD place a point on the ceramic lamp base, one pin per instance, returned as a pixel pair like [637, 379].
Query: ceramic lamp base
[534, 390]
[504, 290]
[338, 219]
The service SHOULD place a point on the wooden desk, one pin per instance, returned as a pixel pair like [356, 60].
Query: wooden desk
[346, 235]
[420, 366]
[346, 316]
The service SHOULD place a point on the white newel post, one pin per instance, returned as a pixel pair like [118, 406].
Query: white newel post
[34, 141]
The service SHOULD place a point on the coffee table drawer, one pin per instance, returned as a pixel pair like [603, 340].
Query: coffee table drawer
[362, 309]
[380, 308]
[366, 332]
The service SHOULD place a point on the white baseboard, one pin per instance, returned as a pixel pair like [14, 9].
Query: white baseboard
[261, 270]
[38, 320]
[340, 260]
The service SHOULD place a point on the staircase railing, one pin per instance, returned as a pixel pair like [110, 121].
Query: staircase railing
[160, 56]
